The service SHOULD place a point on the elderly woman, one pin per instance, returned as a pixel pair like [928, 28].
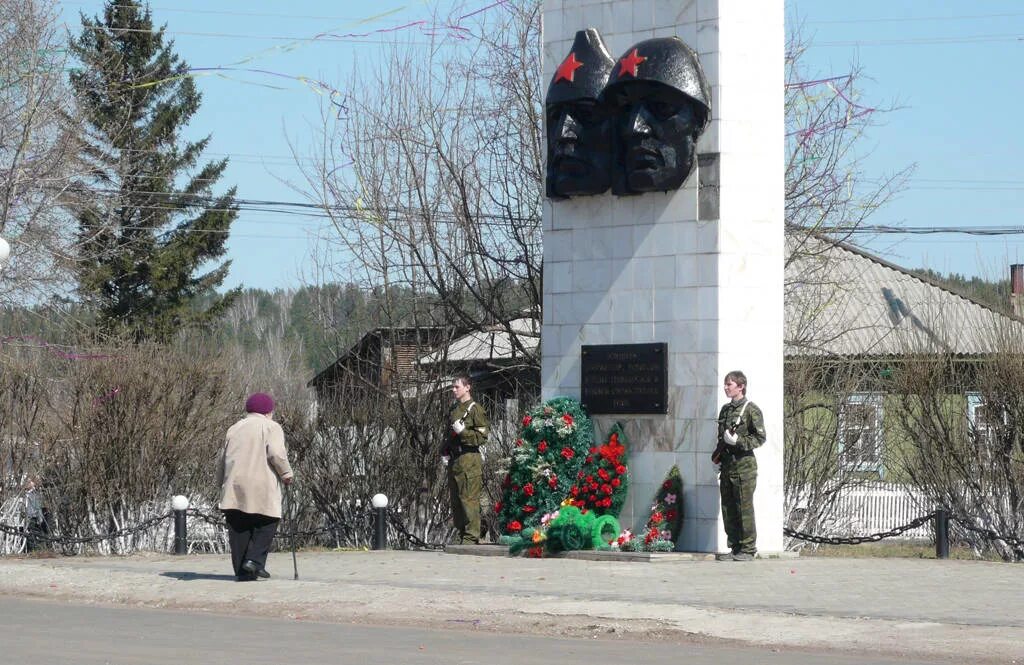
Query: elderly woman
[254, 459]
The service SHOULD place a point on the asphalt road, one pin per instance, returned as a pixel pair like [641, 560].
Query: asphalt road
[40, 632]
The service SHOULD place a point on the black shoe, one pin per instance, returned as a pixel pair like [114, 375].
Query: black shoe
[246, 577]
[256, 569]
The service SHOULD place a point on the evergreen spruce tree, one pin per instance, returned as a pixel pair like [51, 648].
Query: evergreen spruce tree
[150, 227]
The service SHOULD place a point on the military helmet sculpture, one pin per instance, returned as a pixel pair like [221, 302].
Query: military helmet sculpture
[651, 105]
[578, 127]
[661, 100]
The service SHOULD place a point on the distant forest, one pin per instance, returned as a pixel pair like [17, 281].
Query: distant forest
[315, 324]
[318, 322]
[993, 294]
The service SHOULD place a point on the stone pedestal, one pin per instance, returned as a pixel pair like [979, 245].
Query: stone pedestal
[700, 268]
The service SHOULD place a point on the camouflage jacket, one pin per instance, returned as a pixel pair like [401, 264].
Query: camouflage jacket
[477, 426]
[750, 429]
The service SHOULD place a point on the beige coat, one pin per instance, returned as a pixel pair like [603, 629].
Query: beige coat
[253, 459]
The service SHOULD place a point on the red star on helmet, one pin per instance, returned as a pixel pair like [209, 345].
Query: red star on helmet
[629, 64]
[567, 70]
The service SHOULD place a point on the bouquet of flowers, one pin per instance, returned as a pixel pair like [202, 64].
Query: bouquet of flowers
[666, 520]
[602, 483]
[567, 529]
[553, 442]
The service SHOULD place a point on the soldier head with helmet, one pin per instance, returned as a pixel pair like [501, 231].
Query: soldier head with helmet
[662, 103]
[578, 127]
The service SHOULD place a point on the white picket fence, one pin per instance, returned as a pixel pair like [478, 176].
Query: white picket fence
[876, 507]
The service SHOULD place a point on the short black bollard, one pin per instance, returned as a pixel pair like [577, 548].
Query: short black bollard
[380, 526]
[180, 504]
[941, 534]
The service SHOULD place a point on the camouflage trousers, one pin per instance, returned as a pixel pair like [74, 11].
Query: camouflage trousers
[737, 481]
[465, 483]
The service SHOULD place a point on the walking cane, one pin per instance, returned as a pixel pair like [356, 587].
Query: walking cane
[291, 524]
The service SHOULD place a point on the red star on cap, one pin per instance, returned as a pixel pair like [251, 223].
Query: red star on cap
[629, 64]
[567, 70]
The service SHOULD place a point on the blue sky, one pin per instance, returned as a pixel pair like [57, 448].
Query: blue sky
[951, 67]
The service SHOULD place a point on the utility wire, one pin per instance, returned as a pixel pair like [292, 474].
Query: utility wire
[351, 19]
[912, 19]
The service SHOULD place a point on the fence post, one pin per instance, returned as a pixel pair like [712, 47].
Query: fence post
[941, 534]
[179, 505]
[380, 533]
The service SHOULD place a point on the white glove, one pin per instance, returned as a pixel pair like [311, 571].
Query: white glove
[458, 426]
[730, 437]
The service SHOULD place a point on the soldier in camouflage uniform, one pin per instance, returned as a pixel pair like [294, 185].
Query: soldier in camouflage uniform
[740, 430]
[468, 432]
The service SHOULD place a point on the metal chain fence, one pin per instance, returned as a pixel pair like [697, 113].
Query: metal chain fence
[28, 537]
[400, 536]
[857, 540]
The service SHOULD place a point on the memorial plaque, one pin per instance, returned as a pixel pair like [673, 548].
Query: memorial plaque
[624, 378]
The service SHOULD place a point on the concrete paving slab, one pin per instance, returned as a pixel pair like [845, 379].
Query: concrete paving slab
[963, 611]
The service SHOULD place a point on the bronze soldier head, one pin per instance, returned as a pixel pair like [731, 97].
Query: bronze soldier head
[662, 103]
[578, 126]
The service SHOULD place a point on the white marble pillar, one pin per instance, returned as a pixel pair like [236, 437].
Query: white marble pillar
[661, 268]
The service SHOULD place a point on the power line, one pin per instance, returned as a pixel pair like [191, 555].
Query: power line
[913, 19]
[284, 38]
[926, 41]
[927, 230]
[237, 13]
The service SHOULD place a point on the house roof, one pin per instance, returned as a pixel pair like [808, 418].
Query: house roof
[843, 301]
[493, 343]
[359, 350]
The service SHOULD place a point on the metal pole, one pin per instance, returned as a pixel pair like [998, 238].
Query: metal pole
[941, 534]
[380, 534]
[180, 533]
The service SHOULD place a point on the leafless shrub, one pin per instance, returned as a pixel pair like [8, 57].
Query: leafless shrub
[113, 435]
[961, 421]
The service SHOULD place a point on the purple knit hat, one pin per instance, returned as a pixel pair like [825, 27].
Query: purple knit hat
[259, 403]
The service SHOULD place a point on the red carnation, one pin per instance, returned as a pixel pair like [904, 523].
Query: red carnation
[535, 552]
[552, 482]
[620, 469]
[519, 442]
[579, 475]
[527, 420]
[657, 518]
[575, 491]
[670, 515]
[616, 482]
[606, 488]
[528, 489]
[667, 485]
[497, 507]
[528, 509]
[567, 453]
[542, 446]
[514, 526]
[604, 474]
[567, 419]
